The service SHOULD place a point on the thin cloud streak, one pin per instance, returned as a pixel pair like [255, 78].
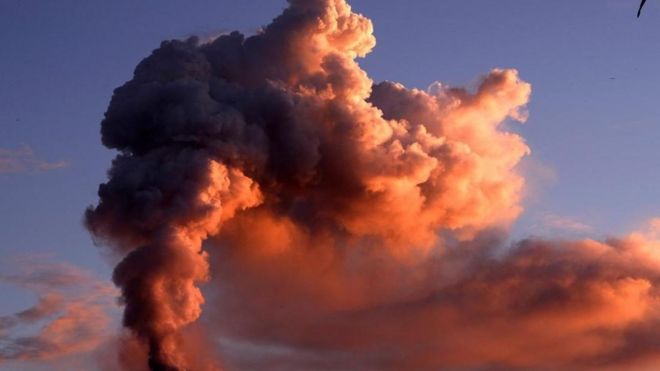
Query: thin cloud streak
[564, 223]
[23, 159]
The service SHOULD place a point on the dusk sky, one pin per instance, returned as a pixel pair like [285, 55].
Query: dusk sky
[593, 172]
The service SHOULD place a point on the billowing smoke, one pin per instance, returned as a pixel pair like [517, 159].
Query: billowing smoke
[479, 305]
[351, 223]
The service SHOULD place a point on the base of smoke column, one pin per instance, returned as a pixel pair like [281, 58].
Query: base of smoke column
[155, 365]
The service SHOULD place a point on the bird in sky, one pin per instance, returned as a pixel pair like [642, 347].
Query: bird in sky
[639, 12]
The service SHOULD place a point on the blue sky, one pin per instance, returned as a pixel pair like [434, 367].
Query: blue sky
[594, 121]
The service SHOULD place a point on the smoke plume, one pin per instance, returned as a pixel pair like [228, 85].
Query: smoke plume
[352, 224]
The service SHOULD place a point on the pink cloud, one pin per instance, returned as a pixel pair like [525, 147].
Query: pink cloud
[23, 159]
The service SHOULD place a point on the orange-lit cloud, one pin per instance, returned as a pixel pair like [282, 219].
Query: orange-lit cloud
[72, 313]
[538, 304]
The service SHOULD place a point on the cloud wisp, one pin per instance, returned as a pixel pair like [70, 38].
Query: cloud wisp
[72, 313]
[23, 159]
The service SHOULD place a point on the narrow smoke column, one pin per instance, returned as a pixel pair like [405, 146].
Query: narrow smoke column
[164, 229]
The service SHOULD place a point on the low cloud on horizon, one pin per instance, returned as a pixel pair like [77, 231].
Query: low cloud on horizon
[72, 312]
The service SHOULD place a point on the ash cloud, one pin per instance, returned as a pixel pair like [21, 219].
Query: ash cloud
[350, 225]
[480, 304]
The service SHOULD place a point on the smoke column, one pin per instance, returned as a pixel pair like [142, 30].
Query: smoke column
[282, 121]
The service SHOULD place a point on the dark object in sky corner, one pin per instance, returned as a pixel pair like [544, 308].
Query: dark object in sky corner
[639, 12]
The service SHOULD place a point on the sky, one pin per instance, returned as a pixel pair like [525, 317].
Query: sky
[593, 118]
